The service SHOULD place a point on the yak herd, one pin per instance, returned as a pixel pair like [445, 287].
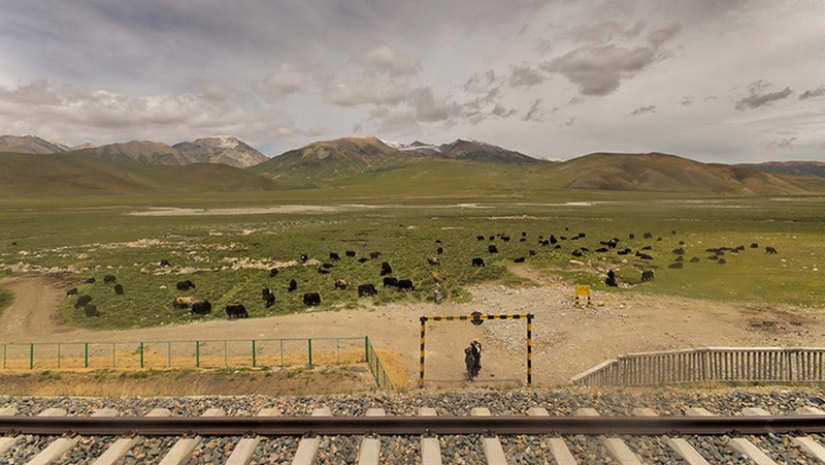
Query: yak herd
[310, 299]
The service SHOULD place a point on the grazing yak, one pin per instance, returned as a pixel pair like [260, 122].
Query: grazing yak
[334, 256]
[374, 255]
[433, 261]
[341, 284]
[109, 278]
[235, 311]
[366, 290]
[770, 250]
[82, 300]
[292, 285]
[611, 279]
[405, 284]
[90, 280]
[492, 248]
[647, 275]
[201, 308]
[385, 268]
[349, 253]
[273, 272]
[478, 262]
[390, 281]
[183, 302]
[312, 298]
[185, 285]
[118, 289]
[71, 291]
[91, 310]
[268, 297]
[165, 263]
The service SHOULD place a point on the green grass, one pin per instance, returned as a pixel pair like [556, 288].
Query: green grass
[228, 256]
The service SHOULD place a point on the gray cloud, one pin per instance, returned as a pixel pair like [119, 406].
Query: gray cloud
[604, 31]
[599, 69]
[480, 82]
[525, 76]
[782, 144]
[757, 98]
[107, 70]
[534, 113]
[430, 109]
[643, 110]
[34, 93]
[387, 60]
[373, 92]
[285, 81]
[658, 37]
[89, 114]
[811, 93]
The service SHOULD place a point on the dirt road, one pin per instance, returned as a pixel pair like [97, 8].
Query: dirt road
[567, 339]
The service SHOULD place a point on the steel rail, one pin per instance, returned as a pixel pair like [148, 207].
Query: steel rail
[300, 426]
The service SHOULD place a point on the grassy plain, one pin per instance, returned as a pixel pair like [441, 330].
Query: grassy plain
[230, 241]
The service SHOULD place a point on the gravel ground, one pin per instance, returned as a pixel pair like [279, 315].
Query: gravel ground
[567, 340]
[464, 449]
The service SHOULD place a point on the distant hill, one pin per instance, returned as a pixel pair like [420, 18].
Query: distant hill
[371, 167]
[323, 162]
[795, 168]
[62, 175]
[29, 144]
[140, 152]
[468, 150]
[225, 150]
[657, 172]
[319, 163]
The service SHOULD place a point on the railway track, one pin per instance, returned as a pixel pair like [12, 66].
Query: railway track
[105, 437]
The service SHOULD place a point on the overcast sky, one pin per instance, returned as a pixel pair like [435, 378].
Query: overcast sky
[711, 80]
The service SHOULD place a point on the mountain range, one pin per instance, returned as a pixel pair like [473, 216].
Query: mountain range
[228, 164]
[226, 150]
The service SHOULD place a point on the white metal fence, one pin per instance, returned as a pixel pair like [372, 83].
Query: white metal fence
[726, 364]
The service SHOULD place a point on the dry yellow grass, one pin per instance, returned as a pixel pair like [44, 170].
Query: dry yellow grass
[351, 378]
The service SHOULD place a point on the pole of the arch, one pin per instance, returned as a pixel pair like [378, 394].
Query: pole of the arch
[421, 368]
[529, 350]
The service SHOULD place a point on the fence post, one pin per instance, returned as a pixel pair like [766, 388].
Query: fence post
[309, 349]
[141, 355]
[85, 355]
[367, 349]
[254, 355]
[792, 357]
[31, 356]
[58, 355]
[197, 354]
